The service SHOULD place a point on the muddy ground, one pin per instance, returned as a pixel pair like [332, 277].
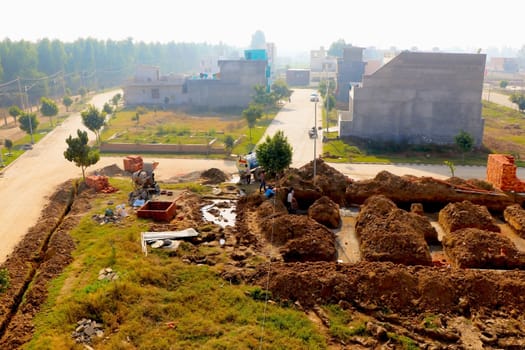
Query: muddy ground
[438, 307]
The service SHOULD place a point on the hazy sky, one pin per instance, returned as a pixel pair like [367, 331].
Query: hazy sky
[291, 25]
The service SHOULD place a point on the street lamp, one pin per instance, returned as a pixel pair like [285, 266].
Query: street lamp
[315, 140]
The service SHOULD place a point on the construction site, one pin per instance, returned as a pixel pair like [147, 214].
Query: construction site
[438, 262]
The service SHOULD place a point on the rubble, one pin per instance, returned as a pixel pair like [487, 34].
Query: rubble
[100, 183]
[87, 330]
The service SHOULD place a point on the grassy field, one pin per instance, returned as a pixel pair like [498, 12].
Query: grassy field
[174, 127]
[159, 302]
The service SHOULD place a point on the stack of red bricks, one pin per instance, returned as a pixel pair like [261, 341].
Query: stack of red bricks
[501, 172]
[100, 183]
[133, 163]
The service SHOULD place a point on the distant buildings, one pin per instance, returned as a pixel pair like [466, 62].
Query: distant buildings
[418, 98]
[503, 64]
[231, 87]
[322, 66]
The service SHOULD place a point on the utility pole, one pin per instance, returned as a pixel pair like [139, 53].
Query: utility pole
[20, 94]
[315, 141]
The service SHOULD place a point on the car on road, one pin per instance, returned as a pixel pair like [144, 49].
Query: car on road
[314, 97]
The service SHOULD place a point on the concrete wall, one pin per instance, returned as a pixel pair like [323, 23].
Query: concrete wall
[298, 77]
[420, 98]
[130, 148]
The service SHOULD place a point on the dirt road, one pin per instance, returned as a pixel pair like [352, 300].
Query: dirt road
[27, 183]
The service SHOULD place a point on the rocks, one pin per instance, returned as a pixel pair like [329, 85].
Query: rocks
[107, 274]
[86, 330]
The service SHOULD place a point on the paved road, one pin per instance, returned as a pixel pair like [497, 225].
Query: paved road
[32, 178]
[498, 98]
[295, 119]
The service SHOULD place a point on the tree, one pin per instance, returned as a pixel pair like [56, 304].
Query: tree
[503, 84]
[28, 123]
[280, 90]
[518, 99]
[14, 111]
[115, 100]
[107, 108]
[67, 101]
[8, 144]
[251, 114]
[465, 142]
[258, 40]
[48, 108]
[229, 142]
[326, 86]
[275, 153]
[94, 120]
[82, 92]
[329, 103]
[79, 152]
[337, 47]
[263, 97]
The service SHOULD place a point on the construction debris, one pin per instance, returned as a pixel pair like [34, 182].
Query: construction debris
[107, 273]
[86, 330]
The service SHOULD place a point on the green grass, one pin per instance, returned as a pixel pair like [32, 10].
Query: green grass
[342, 326]
[155, 292]
[405, 342]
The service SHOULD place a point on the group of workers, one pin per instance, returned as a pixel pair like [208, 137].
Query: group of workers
[270, 190]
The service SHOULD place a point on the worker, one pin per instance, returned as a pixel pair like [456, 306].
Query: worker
[262, 179]
[269, 192]
[289, 200]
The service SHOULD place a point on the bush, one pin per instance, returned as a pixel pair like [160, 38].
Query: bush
[4, 280]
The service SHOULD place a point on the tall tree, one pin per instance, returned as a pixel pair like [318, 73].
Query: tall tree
[251, 114]
[258, 40]
[48, 108]
[79, 152]
[275, 153]
[94, 120]
[280, 89]
[336, 48]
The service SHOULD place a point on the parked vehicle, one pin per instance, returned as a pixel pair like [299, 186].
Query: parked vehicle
[248, 165]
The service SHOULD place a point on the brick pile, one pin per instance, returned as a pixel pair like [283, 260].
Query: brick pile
[100, 183]
[501, 172]
[133, 163]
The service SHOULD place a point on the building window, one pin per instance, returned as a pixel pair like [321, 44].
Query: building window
[155, 93]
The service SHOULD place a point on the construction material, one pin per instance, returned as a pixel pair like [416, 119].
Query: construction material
[150, 237]
[157, 210]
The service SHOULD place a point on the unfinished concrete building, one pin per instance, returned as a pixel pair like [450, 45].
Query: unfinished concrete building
[418, 98]
[350, 70]
[231, 87]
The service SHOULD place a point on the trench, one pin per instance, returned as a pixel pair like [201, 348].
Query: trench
[35, 263]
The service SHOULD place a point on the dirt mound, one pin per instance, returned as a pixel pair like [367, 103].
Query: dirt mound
[408, 290]
[270, 208]
[432, 193]
[515, 216]
[391, 234]
[214, 176]
[475, 248]
[325, 212]
[111, 171]
[328, 182]
[475, 184]
[303, 238]
[456, 216]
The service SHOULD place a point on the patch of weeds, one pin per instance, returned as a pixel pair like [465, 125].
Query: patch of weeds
[4, 280]
[405, 342]
[342, 326]
[260, 294]
[430, 322]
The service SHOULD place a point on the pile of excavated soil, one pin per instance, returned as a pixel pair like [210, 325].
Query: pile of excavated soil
[456, 216]
[111, 171]
[515, 216]
[432, 193]
[214, 176]
[475, 248]
[328, 182]
[407, 290]
[387, 233]
[325, 212]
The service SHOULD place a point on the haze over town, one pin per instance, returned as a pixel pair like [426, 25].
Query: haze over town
[295, 27]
